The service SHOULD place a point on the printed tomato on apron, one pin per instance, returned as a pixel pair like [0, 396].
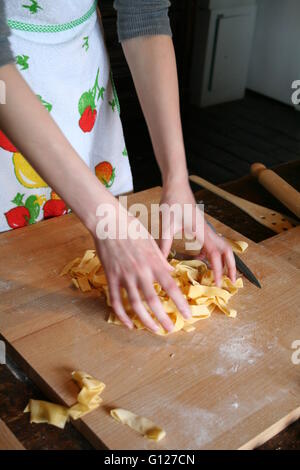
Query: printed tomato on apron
[60, 51]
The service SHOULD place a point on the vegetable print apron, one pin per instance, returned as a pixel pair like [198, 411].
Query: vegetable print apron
[60, 51]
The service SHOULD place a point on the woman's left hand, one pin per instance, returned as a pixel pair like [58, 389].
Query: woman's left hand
[214, 248]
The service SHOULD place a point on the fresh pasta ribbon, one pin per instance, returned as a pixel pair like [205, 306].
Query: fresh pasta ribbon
[45, 412]
[237, 246]
[88, 400]
[139, 424]
[193, 277]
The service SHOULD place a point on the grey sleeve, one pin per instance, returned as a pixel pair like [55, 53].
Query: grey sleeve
[142, 18]
[6, 56]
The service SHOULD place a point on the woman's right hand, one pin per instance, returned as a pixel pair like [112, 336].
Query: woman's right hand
[134, 264]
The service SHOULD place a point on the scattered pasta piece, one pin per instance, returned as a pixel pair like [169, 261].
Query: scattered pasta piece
[193, 277]
[139, 424]
[88, 400]
[237, 246]
[45, 412]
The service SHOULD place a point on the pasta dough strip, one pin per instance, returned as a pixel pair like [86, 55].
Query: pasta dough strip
[139, 424]
[88, 400]
[192, 276]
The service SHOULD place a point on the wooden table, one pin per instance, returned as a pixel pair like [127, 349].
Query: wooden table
[15, 391]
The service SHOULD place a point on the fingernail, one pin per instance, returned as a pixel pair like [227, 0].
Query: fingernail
[186, 312]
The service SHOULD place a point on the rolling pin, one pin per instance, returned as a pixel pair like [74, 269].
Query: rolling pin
[277, 186]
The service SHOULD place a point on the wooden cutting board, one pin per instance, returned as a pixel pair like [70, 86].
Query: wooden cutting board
[229, 384]
[8, 440]
[286, 245]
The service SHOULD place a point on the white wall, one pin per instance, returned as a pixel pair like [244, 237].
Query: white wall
[275, 58]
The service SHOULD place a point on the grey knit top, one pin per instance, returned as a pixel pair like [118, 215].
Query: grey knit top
[134, 18]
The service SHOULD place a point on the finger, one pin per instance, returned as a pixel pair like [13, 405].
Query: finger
[170, 286]
[138, 307]
[230, 263]
[166, 239]
[116, 302]
[161, 257]
[155, 304]
[202, 255]
[214, 257]
[165, 246]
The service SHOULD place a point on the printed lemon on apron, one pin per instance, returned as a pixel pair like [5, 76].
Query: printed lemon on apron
[60, 51]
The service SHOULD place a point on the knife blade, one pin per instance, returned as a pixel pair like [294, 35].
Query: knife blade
[243, 268]
[240, 265]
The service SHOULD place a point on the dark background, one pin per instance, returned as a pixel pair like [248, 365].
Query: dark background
[221, 141]
[144, 168]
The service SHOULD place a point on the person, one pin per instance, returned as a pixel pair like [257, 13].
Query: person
[62, 144]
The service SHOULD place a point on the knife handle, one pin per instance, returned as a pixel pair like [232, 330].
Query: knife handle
[278, 187]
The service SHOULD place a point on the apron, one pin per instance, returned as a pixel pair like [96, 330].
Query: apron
[60, 51]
